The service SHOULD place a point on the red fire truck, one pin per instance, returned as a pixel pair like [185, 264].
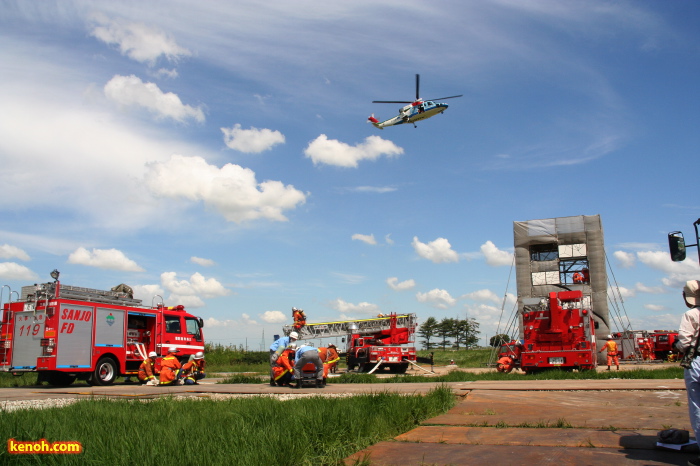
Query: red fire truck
[380, 339]
[66, 333]
[558, 333]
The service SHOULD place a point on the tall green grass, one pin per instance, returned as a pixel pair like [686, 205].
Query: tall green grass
[241, 431]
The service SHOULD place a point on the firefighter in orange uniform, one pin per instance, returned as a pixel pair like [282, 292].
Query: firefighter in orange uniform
[505, 364]
[578, 277]
[147, 370]
[647, 355]
[329, 356]
[613, 357]
[169, 367]
[283, 369]
[193, 370]
[299, 318]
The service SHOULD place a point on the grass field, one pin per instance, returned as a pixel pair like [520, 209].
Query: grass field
[242, 431]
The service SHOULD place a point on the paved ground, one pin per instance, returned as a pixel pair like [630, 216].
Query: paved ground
[546, 422]
[499, 422]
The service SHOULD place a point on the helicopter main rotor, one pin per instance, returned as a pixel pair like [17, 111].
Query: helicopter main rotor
[418, 99]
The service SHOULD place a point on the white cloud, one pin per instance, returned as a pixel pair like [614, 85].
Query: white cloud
[247, 320]
[136, 40]
[624, 292]
[340, 154]
[130, 91]
[14, 271]
[195, 286]
[625, 259]
[349, 278]
[212, 322]
[273, 317]
[231, 189]
[437, 251]
[678, 272]
[388, 239]
[369, 239]
[394, 284]
[655, 307]
[253, 140]
[483, 295]
[202, 262]
[642, 288]
[12, 252]
[373, 189]
[111, 259]
[440, 299]
[495, 256]
[147, 293]
[349, 308]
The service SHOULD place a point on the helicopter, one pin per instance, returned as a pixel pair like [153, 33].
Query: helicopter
[416, 110]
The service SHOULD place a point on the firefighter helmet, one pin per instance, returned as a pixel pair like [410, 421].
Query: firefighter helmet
[199, 355]
[609, 337]
[292, 346]
[173, 349]
[294, 335]
[152, 354]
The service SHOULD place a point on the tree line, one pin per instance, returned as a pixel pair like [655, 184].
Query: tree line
[449, 332]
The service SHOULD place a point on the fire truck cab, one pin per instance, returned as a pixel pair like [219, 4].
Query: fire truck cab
[66, 333]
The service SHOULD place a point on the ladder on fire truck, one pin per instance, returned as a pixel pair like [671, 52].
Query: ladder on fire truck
[347, 327]
[44, 290]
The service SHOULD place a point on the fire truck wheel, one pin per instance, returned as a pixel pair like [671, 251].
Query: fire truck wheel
[60, 379]
[105, 372]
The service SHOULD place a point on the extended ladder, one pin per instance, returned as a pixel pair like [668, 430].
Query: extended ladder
[347, 327]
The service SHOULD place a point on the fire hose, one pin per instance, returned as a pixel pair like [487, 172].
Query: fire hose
[376, 366]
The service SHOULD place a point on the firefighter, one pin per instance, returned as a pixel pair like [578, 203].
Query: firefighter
[646, 350]
[276, 349]
[147, 370]
[304, 355]
[687, 342]
[578, 277]
[329, 356]
[299, 318]
[170, 367]
[505, 364]
[193, 370]
[611, 347]
[283, 371]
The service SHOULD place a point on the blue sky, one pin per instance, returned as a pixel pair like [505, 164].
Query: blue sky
[218, 154]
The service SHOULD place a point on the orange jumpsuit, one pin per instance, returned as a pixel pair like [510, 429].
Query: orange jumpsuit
[329, 357]
[613, 358]
[299, 319]
[283, 366]
[192, 371]
[147, 370]
[505, 364]
[169, 368]
[646, 351]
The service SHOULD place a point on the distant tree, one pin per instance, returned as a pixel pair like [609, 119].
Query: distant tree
[498, 340]
[445, 329]
[468, 332]
[428, 330]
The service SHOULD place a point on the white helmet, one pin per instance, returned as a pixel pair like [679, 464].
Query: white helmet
[609, 337]
[173, 349]
[292, 346]
[294, 335]
[152, 354]
[199, 355]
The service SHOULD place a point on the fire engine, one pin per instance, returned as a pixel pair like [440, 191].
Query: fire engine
[66, 333]
[663, 344]
[377, 342]
[558, 333]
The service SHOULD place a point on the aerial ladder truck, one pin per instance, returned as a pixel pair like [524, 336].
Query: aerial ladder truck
[381, 342]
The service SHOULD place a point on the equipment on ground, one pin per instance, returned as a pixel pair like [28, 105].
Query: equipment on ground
[416, 110]
[558, 332]
[67, 332]
[370, 341]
